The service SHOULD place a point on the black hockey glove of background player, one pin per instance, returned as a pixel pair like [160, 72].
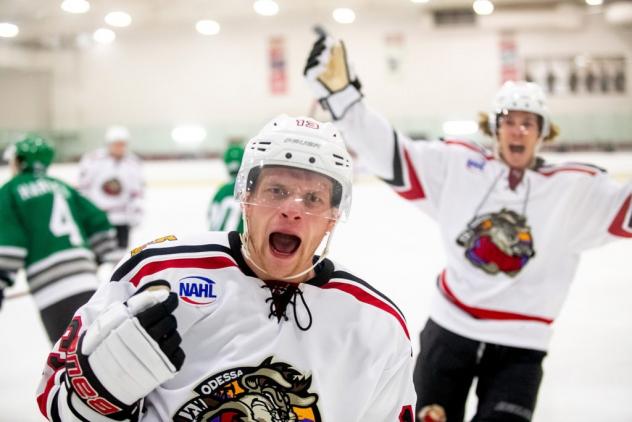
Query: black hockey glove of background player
[127, 352]
[330, 77]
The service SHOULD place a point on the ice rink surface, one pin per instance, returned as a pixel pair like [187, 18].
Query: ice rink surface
[588, 372]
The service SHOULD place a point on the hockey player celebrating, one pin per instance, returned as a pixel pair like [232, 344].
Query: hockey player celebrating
[254, 327]
[112, 177]
[513, 229]
[224, 211]
[52, 232]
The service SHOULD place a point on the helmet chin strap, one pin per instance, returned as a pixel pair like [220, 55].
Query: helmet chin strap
[245, 251]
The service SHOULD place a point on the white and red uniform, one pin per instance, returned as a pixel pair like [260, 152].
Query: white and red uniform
[116, 186]
[568, 208]
[339, 352]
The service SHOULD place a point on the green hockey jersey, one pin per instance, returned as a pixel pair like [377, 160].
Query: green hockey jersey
[50, 230]
[224, 212]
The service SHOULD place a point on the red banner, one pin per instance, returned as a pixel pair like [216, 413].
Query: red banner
[508, 59]
[278, 72]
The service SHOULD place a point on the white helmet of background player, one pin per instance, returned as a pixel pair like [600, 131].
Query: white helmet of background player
[116, 134]
[521, 96]
[302, 143]
[298, 143]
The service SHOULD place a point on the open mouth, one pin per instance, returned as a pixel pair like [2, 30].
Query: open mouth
[518, 149]
[284, 244]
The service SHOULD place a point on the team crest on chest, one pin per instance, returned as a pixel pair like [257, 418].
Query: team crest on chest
[270, 392]
[112, 187]
[498, 242]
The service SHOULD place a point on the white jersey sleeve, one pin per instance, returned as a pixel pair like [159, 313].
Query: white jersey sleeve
[392, 398]
[416, 170]
[601, 207]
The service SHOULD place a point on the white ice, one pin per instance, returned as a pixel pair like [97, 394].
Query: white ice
[588, 373]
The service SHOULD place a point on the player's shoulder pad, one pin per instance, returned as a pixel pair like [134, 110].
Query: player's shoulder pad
[468, 145]
[175, 251]
[585, 169]
[365, 293]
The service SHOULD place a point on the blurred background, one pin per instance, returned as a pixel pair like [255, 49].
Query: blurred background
[188, 77]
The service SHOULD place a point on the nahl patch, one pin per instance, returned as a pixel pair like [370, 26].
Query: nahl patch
[272, 391]
[197, 290]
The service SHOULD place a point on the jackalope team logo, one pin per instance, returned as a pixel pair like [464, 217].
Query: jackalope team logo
[270, 392]
[498, 242]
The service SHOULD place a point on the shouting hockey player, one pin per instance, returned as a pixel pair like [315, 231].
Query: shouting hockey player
[224, 211]
[257, 327]
[112, 177]
[49, 229]
[513, 229]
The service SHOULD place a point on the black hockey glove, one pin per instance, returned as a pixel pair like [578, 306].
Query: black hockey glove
[126, 353]
[330, 77]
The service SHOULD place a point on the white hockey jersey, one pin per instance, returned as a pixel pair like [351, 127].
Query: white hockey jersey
[511, 254]
[340, 352]
[115, 186]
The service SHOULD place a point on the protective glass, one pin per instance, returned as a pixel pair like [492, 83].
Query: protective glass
[526, 124]
[294, 190]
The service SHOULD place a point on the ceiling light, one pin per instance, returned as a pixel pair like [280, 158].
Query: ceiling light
[483, 7]
[118, 19]
[190, 135]
[266, 7]
[594, 2]
[75, 6]
[344, 15]
[207, 27]
[8, 30]
[460, 127]
[104, 36]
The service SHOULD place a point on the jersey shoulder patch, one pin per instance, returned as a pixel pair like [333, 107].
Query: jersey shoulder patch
[365, 293]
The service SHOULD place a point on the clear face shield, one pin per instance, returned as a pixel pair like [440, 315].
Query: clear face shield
[294, 190]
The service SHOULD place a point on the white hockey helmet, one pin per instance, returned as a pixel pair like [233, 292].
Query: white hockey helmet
[116, 134]
[521, 96]
[302, 143]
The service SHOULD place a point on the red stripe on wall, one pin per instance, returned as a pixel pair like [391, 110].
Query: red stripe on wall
[209, 263]
[482, 313]
[365, 297]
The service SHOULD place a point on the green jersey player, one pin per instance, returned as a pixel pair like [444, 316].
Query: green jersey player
[51, 231]
[224, 212]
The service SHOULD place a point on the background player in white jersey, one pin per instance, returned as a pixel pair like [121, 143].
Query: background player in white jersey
[52, 232]
[224, 211]
[253, 327]
[513, 229]
[112, 178]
